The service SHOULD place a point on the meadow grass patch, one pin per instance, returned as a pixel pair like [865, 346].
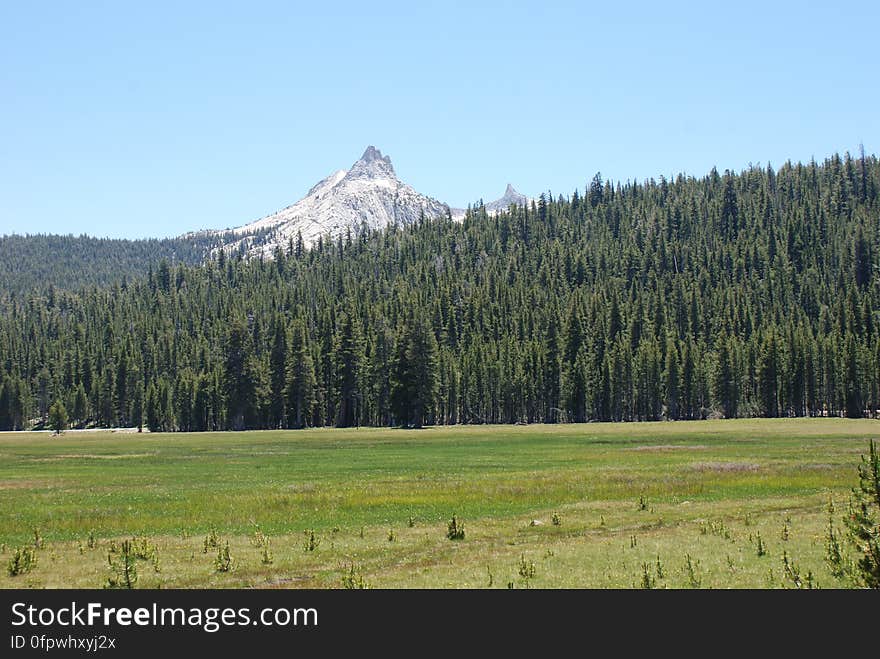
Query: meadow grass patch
[627, 498]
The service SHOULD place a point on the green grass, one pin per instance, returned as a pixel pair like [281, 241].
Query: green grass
[709, 487]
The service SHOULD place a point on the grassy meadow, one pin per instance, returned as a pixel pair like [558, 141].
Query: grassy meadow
[678, 505]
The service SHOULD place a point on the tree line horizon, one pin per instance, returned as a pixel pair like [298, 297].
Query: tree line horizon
[750, 294]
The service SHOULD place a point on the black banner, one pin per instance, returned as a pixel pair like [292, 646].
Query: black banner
[140, 623]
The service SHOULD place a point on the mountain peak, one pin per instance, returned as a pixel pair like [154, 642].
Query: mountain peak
[372, 164]
[367, 196]
[372, 153]
[511, 197]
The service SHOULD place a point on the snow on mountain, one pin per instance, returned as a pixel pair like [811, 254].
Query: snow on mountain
[367, 195]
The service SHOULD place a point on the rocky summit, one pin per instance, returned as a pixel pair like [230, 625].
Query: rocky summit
[510, 198]
[369, 195]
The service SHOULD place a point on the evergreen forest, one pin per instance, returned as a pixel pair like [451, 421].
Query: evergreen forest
[45, 261]
[732, 295]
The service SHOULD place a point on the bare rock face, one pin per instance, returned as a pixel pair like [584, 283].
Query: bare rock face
[368, 195]
[510, 198]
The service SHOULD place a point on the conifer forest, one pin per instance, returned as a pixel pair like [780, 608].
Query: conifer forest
[751, 294]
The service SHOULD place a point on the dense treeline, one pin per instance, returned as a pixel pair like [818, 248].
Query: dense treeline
[751, 294]
[40, 262]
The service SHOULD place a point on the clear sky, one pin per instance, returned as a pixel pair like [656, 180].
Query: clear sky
[132, 119]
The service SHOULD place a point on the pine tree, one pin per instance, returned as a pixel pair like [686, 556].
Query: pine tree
[647, 395]
[725, 379]
[300, 378]
[202, 408]
[688, 382]
[768, 376]
[58, 417]
[44, 392]
[552, 371]
[240, 377]
[673, 380]
[852, 383]
[596, 193]
[137, 413]
[414, 387]
[5, 396]
[863, 520]
[574, 336]
[576, 388]
[278, 374]
[80, 404]
[349, 360]
[106, 397]
[121, 396]
[152, 411]
[729, 208]
[861, 259]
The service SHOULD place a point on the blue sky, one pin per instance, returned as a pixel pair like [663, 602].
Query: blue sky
[152, 119]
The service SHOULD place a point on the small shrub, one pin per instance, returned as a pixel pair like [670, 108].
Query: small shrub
[92, 541]
[792, 572]
[760, 547]
[354, 580]
[455, 529]
[411, 522]
[811, 582]
[391, 536]
[23, 560]
[223, 562]
[123, 567]
[833, 550]
[527, 569]
[555, 520]
[858, 558]
[648, 581]
[211, 541]
[660, 571]
[144, 550]
[38, 539]
[863, 521]
[715, 528]
[312, 540]
[259, 539]
[692, 569]
[266, 557]
[643, 503]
